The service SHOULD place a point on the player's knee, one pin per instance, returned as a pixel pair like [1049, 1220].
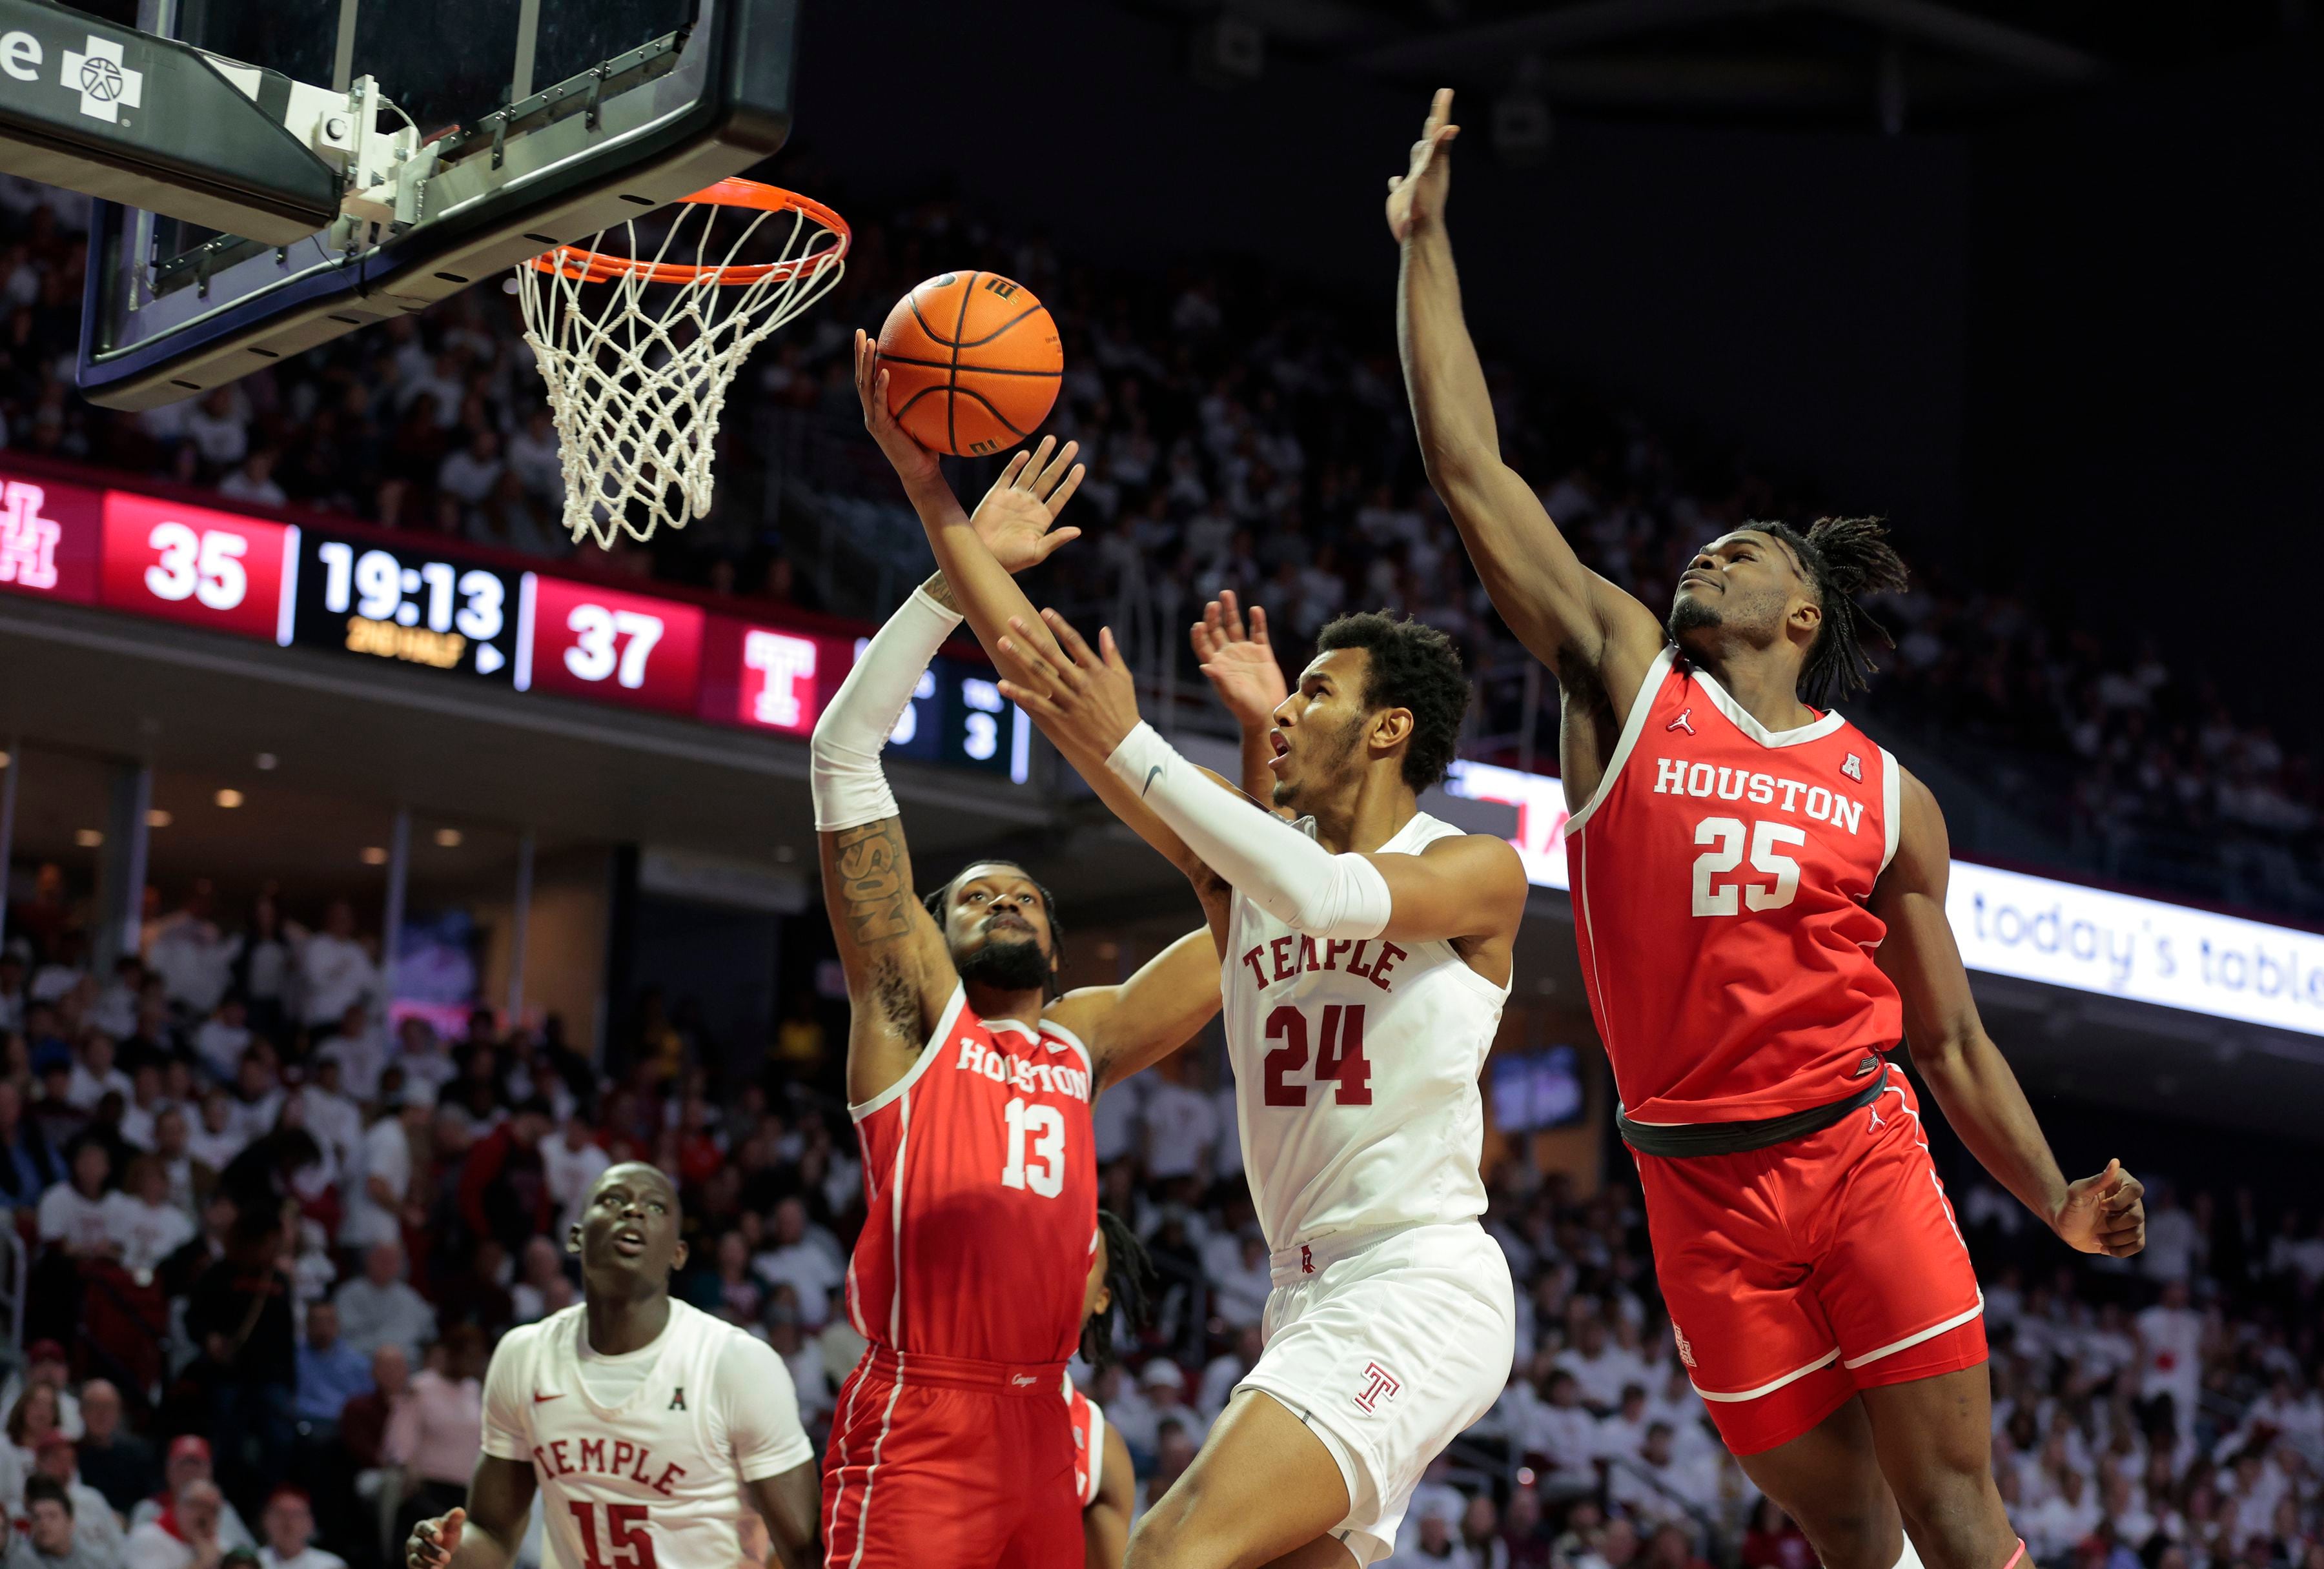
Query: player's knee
[1172, 1534]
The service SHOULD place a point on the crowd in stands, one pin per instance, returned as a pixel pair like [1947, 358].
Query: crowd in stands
[268, 1245]
[1242, 433]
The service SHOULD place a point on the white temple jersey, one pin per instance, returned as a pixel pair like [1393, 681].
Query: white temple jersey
[1356, 1065]
[655, 1481]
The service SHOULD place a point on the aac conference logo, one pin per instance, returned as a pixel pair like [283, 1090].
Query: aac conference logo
[107, 86]
[106, 83]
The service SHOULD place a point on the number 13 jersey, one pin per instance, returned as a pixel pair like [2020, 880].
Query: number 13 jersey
[1721, 875]
[980, 1188]
[1355, 1067]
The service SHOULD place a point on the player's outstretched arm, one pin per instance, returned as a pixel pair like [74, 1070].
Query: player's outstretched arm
[1964, 1069]
[1570, 619]
[1135, 1025]
[1242, 669]
[487, 1534]
[1105, 1524]
[899, 974]
[1472, 886]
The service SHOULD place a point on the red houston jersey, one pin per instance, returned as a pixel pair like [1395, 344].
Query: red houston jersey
[1720, 879]
[1088, 1418]
[979, 1178]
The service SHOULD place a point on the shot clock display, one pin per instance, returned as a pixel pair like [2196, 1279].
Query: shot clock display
[407, 606]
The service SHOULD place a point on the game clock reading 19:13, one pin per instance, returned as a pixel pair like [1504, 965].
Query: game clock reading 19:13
[402, 605]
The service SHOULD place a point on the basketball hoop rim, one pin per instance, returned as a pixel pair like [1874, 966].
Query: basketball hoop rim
[598, 267]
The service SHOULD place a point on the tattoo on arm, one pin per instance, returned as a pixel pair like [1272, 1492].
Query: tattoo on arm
[896, 999]
[938, 590]
[875, 900]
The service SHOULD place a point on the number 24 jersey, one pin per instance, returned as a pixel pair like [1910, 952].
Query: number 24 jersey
[1355, 1067]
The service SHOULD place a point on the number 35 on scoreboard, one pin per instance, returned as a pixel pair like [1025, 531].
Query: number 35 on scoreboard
[191, 565]
[615, 647]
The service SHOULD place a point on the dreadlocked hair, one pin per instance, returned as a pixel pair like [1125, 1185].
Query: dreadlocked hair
[1129, 1277]
[1845, 557]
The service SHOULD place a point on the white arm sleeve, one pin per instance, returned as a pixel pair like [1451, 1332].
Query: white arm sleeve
[850, 789]
[1279, 868]
[762, 1410]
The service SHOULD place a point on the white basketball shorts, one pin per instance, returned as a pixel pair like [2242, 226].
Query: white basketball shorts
[1388, 1344]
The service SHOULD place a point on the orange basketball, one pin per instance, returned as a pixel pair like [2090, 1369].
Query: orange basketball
[973, 363]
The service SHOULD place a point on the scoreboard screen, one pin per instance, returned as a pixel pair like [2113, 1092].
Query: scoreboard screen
[410, 606]
[426, 604]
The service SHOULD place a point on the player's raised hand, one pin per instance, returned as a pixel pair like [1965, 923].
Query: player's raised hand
[912, 461]
[1018, 517]
[433, 1542]
[1240, 665]
[2104, 1214]
[1085, 703]
[1417, 197]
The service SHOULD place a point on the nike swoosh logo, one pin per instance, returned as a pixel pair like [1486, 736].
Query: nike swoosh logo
[539, 1397]
[1142, 789]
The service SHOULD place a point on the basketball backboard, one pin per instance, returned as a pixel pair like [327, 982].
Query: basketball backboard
[540, 122]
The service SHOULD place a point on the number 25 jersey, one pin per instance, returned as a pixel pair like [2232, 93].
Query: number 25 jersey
[1355, 1067]
[1721, 875]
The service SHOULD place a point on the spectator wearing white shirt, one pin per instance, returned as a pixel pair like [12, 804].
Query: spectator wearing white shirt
[421, 1053]
[361, 1051]
[1181, 1124]
[1656, 1489]
[115, 1011]
[141, 1222]
[193, 957]
[1227, 1370]
[1114, 1120]
[95, 1075]
[375, 1204]
[2174, 1244]
[1599, 1367]
[805, 1263]
[1164, 1383]
[335, 971]
[253, 479]
[72, 1213]
[2169, 1354]
[1238, 1292]
[2060, 1523]
[572, 1162]
[219, 426]
[222, 1039]
[471, 471]
[1622, 1433]
[1563, 1433]
[334, 1118]
[289, 1524]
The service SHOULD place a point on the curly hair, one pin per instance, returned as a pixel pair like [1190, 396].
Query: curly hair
[1414, 666]
[1129, 1274]
[1843, 557]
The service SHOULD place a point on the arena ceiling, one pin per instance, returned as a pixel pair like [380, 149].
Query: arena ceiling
[1877, 63]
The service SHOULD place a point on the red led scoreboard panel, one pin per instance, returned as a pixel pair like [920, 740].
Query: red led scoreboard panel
[410, 600]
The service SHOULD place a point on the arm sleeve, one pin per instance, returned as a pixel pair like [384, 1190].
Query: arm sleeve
[849, 788]
[1279, 868]
[505, 1436]
[762, 1410]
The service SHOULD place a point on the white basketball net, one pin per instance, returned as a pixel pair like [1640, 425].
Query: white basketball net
[638, 365]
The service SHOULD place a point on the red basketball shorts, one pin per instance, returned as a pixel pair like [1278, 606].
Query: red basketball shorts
[937, 1463]
[1798, 1274]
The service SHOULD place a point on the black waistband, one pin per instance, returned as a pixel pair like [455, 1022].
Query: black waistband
[1685, 1138]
